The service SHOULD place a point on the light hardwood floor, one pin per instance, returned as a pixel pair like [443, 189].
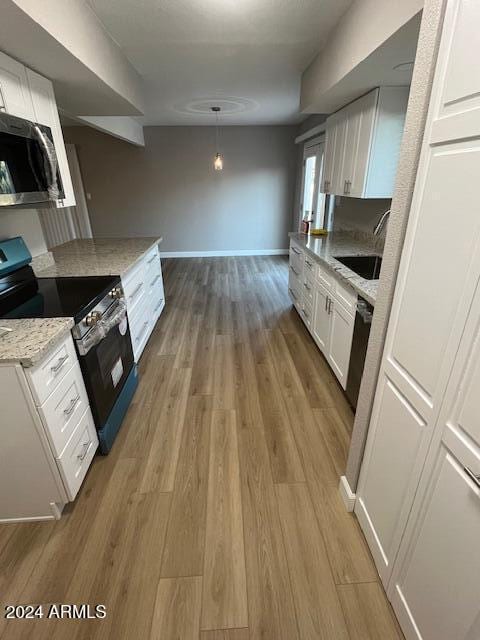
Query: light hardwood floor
[216, 516]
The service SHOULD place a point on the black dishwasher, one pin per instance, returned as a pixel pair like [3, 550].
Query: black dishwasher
[361, 333]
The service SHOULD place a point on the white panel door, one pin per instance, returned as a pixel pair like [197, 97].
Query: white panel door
[439, 590]
[321, 318]
[340, 343]
[366, 110]
[330, 137]
[46, 112]
[353, 119]
[438, 274]
[14, 91]
[338, 182]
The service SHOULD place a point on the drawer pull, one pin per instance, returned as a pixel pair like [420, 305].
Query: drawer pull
[145, 325]
[308, 263]
[151, 259]
[330, 305]
[159, 305]
[293, 295]
[86, 446]
[155, 280]
[296, 251]
[60, 362]
[295, 271]
[71, 406]
[475, 478]
[137, 289]
[307, 286]
[307, 315]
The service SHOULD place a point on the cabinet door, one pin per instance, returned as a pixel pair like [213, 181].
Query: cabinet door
[46, 112]
[353, 113]
[365, 109]
[340, 343]
[330, 136]
[437, 598]
[338, 182]
[321, 318]
[14, 91]
[433, 296]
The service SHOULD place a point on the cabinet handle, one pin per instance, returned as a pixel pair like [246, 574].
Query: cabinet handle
[151, 259]
[293, 295]
[71, 406]
[475, 478]
[158, 305]
[145, 325]
[296, 251]
[349, 184]
[307, 286]
[345, 186]
[86, 445]
[326, 186]
[295, 271]
[155, 280]
[326, 303]
[60, 362]
[307, 315]
[137, 289]
[308, 263]
[330, 305]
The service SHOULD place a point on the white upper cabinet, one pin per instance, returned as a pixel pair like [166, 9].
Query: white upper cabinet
[15, 96]
[46, 112]
[363, 144]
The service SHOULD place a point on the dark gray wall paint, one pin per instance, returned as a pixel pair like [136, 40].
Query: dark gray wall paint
[170, 188]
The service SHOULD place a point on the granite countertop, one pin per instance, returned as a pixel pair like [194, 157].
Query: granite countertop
[92, 257]
[323, 248]
[27, 341]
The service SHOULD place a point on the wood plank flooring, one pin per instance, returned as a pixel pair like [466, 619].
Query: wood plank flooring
[217, 515]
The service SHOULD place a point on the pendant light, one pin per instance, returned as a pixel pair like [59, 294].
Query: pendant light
[218, 162]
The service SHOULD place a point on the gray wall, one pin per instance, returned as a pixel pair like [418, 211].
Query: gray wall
[170, 188]
[420, 90]
[25, 223]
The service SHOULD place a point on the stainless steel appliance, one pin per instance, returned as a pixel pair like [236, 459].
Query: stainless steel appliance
[361, 334]
[101, 332]
[28, 163]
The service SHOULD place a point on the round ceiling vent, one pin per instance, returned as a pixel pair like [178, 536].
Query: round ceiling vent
[228, 106]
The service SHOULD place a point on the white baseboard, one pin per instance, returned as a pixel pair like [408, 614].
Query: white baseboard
[347, 494]
[234, 252]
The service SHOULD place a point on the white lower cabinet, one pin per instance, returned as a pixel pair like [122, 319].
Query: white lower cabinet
[326, 306]
[48, 435]
[145, 297]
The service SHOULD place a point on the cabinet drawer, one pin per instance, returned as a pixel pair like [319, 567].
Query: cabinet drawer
[307, 313]
[296, 258]
[346, 296]
[152, 262]
[46, 375]
[135, 288]
[309, 267]
[63, 409]
[325, 277]
[141, 324]
[295, 282]
[308, 291]
[77, 455]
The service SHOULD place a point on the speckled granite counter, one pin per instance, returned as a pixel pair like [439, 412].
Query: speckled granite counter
[92, 257]
[322, 249]
[29, 340]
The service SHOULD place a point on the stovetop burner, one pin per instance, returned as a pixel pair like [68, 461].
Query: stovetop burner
[22, 295]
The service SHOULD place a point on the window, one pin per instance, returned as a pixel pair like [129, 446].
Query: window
[312, 205]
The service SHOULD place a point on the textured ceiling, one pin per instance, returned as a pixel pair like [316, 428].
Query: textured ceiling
[249, 51]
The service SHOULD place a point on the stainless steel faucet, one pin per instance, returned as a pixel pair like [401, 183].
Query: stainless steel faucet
[381, 223]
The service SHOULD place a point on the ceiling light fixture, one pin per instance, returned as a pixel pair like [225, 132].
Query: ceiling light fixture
[218, 162]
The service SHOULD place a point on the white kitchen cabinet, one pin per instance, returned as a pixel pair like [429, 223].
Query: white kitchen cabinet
[15, 97]
[364, 140]
[340, 341]
[46, 112]
[47, 433]
[418, 498]
[321, 319]
[145, 298]
[327, 308]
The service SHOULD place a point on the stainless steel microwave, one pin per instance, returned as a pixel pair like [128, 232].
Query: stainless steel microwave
[28, 163]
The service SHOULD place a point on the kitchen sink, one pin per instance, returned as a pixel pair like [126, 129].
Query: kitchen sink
[367, 267]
